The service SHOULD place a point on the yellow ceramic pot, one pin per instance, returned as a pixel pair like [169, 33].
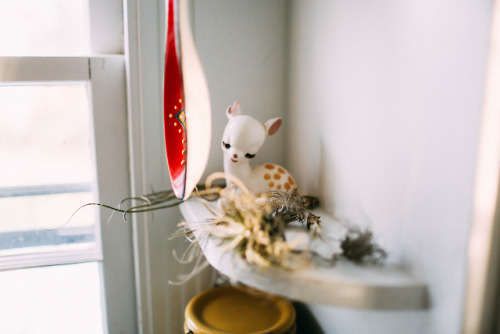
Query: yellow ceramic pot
[233, 310]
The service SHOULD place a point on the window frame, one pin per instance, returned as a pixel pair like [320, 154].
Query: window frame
[160, 304]
[42, 71]
[106, 75]
[105, 70]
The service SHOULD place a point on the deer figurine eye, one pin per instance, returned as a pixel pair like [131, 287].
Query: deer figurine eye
[249, 156]
[226, 145]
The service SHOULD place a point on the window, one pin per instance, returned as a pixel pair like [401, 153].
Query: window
[47, 139]
[48, 27]
[63, 143]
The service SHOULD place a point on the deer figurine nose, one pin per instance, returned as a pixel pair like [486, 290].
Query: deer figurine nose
[235, 156]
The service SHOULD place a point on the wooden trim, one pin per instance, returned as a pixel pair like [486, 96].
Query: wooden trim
[108, 89]
[40, 69]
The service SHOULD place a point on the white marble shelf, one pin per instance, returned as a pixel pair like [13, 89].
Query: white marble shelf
[345, 284]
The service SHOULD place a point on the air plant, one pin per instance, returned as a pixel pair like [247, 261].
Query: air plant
[358, 246]
[248, 225]
[148, 203]
[292, 207]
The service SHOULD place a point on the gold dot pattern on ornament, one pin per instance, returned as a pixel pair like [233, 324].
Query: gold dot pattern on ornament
[179, 115]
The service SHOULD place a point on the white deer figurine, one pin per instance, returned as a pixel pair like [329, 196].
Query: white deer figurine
[242, 139]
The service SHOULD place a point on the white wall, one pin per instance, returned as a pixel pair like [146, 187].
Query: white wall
[242, 45]
[384, 105]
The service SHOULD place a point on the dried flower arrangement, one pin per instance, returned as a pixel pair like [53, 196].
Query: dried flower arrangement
[253, 227]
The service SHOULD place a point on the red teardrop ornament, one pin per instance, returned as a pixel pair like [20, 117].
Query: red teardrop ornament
[174, 115]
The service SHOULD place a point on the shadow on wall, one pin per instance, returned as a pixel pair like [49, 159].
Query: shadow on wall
[306, 322]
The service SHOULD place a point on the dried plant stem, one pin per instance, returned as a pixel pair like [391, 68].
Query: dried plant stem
[154, 201]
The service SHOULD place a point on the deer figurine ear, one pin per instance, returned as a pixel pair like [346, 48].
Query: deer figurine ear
[233, 109]
[272, 126]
